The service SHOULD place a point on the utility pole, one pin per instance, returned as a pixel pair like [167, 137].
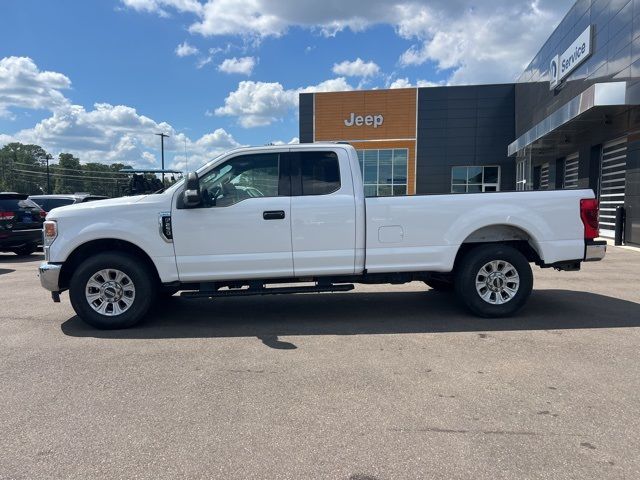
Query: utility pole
[162, 135]
[47, 157]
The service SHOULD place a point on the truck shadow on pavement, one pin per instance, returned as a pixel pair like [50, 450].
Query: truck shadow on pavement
[362, 313]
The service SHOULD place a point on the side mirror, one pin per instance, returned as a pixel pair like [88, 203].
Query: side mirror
[192, 196]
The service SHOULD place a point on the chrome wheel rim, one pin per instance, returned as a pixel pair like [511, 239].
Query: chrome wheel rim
[497, 282]
[110, 292]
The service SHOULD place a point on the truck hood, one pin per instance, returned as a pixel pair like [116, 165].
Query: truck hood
[111, 206]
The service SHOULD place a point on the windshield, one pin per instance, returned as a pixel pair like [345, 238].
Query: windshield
[49, 204]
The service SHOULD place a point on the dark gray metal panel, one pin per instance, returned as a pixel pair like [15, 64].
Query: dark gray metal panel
[463, 126]
[306, 117]
[587, 166]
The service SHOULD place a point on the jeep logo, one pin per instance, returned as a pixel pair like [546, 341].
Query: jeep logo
[359, 120]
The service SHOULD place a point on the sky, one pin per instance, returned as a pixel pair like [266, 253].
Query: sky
[98, 78]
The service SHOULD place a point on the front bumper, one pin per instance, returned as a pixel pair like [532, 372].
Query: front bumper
[594, 250]
[49, 274]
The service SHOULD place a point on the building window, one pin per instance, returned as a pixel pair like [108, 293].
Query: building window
[475, 179]
[384, 172]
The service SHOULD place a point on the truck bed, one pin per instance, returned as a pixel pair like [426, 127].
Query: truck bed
[424, 232]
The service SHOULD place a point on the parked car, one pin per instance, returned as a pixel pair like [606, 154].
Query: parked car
[20, 224]
[259, 217]
[49, 202]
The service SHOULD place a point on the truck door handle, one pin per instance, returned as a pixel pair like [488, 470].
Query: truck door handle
[273, 215]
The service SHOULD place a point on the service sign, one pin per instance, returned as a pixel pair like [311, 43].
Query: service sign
[562, 65]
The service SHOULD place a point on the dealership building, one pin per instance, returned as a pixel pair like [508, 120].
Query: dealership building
[571, 120]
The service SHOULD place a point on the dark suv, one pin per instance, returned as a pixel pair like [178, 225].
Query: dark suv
[49, 202]
[20, 224]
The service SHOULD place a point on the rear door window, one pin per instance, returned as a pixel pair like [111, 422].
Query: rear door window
[315, 173]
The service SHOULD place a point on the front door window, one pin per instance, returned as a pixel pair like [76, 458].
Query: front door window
[241, 178]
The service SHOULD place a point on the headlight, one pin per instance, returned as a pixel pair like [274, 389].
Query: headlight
[49, 232]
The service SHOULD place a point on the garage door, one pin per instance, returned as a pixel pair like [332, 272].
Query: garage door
[571, 171]
[612, 183]
[544, 177]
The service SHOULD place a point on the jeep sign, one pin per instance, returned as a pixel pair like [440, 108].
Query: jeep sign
[562, 65]
[359, 120]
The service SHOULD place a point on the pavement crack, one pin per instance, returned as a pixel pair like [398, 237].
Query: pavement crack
[525, 433]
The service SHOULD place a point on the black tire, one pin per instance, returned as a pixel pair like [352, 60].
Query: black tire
[25, 250]
[143, 282]
[470, 267]
[440, 285]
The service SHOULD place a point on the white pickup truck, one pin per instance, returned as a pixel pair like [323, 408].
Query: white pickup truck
[294, 219]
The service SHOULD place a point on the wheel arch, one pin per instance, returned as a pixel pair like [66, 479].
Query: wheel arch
[512, 235]
[93, 247]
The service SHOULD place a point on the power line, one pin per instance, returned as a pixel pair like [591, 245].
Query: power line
[56, 167]
[80, 177]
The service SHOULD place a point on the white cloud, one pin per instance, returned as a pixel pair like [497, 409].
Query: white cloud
[106, 133]
[117, 133]
[257, 104]
[185, 50]
[357, 68]
[488, 41]
[339, 84]
[293, 141]
[24, 85]
[400, 83]
[405, 83]
[242, 66]
[159, 6]
[479, 45]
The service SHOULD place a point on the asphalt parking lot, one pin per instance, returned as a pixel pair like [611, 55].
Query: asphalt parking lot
[379, 383]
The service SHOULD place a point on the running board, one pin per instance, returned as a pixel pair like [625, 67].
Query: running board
[248, 292]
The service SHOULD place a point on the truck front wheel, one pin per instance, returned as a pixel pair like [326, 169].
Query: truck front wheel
[494, 280]
[112, 290]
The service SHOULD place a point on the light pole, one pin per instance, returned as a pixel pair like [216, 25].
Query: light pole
[162, 135]
[47, 157]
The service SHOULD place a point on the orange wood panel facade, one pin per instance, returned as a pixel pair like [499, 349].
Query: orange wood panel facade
[398, 108]
[398, 130]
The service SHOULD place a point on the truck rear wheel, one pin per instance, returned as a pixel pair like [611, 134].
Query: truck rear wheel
[494, 280]
[112, 290]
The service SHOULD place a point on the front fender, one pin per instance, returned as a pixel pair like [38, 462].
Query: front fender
[142, 232]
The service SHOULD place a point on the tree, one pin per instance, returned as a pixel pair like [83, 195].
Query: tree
[68, 174]
[21, 168]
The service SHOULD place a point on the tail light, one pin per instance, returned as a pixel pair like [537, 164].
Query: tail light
[589, 216]
[7, 215]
